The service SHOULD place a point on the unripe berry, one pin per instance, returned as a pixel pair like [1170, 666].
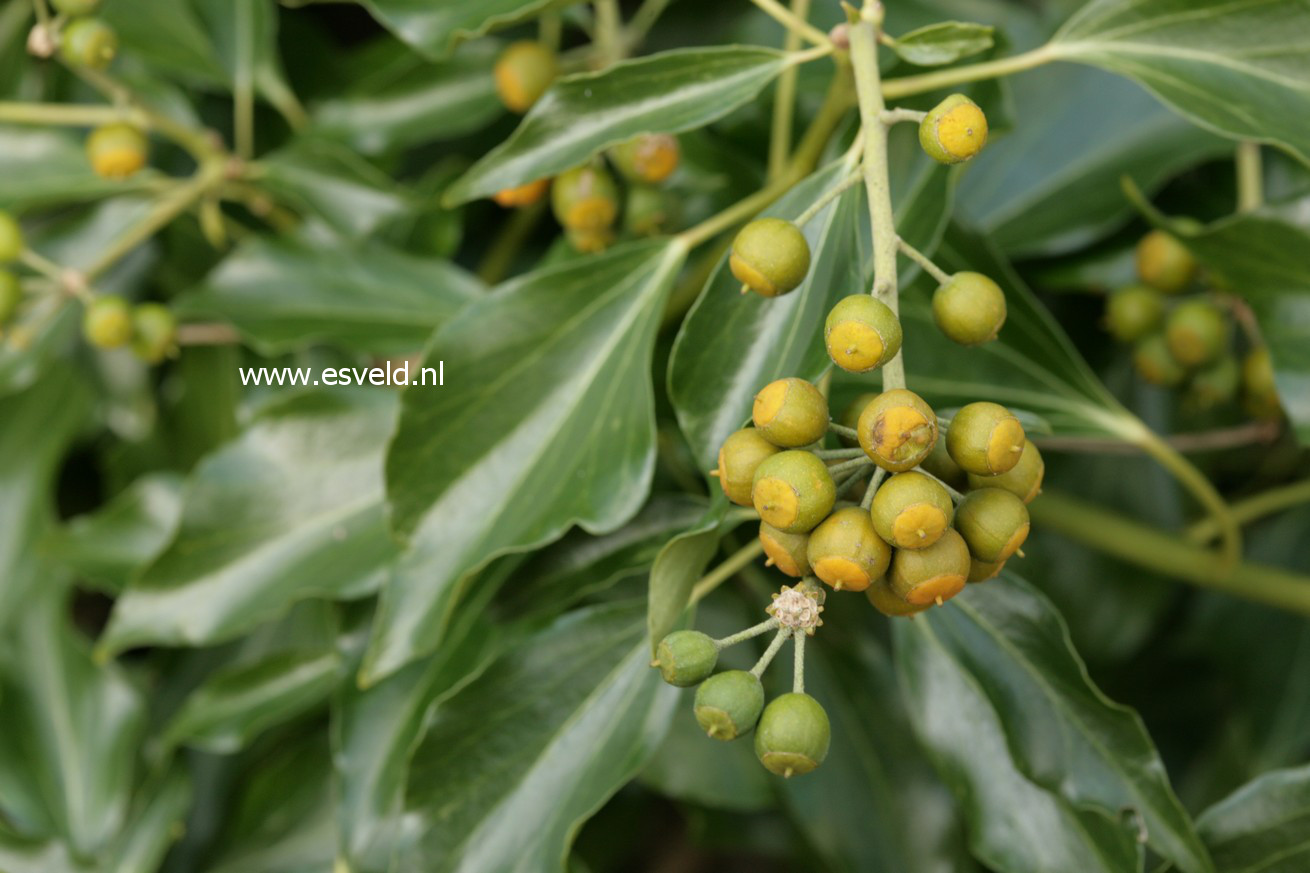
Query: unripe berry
[845, 552]
[985, 439]
[1259, 391]
[585, 198]
[1196, 332]
[739, 457]
[89, 42]
[1134, 311]
[969, 309]
[728, 704]
[940, 464]
[793, 735]
[786, 551]
[981, 571]
[911, 510]
[522, 195]
[770, 256]
[154, 332]
[590, 241]
[1023, 480]
[1156, 364]
[954, 131]
[686, 658]
[897, 430]
[116, 151]
[1164, 263]
[793, 491]
[11, 294]
[650, 157]
[523, 72]
[646, 210]
[790, 413]
[75, 7]
[1216, 383]
[107, 322]
[923, 576]
[861, 333]
[888, 602]
[11, 238]
[993, 522]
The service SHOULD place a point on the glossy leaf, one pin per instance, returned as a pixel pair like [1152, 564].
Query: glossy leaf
[1262, 827]
[943, 43]
[333, 183]
[371, 298]
[582, 114]
[434, 28]
[546, 421]
[157, 825]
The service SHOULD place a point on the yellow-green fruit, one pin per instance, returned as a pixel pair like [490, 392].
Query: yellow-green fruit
[969, 309]
[728, 704]
[1134, 311]
[11, 294]
[1259, 391]
[861, 333]
[646, 211]
[954, 131]
[981, 571]
[739, 457]
[107, 322]
[116, 151]
[589, 242]
[770, 256]
[1023, 480]
[911, 510]
[75, 7]
[154, 332]
[686, 658]
[845, 552]
[897, 430]
[1216, 383]
[793, 735]
[940, 464]
[1196, 332]
[790, 413]
[993, 522]
[985, 439]
[585, 199]
[1164, 263]
[650, 157]
[523, 72]
[793, 491]
[921, 577]
[11, 238]
[1156, 364]
[89, 42]
[786, 551]
[888, 602]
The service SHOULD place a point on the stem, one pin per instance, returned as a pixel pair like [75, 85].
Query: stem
[550, 30]
[207, 334]
[763, 663]
[849, 481]
[896, 116]
[1253, 508]
[849, 466]
[842, 430]
[830, 195]
[609, 31]
[500, 254]
[746, 634]
[73, 115]
[1128, 539]
[784, 102]
[197, 142]
[923, 260]
[955, 495]
[42, 12]
[832, 454]
[643, 20]
[725, 571]
[1250, 177]
[878, 476]
[1201, 441]
[793, 22]
[908, 85]
[243, 85]
[798, 664]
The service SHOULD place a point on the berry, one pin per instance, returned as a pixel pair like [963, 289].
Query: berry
[75, 7]
[649, 158]
[107, 322]
[1164, 263]
[911, 510]
[897, 430]
[646, 211]
[845, 552]
[793, 735]
[1023, 480]
[793, 491]
[1259, 391]
[1196, 332]
[770, 256]
[154, 332]
[985, 439]
[786, 551]
[116, 151]
[790, 413]
[590, 241]
[1154, 362]
[741, 454]
[993, 522]
[1216, 383]
[1134, 311]
[969, 309]
[585, 199]
[523, 72]
[89, 42]
[11, 294]
[728, 704]
[921, 577]
[522, 195]
[954, 131]
[861, 333]
[888, 602]
[981, 571]
[686, 658]
[11, 238]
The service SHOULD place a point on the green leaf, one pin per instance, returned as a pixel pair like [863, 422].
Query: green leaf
[333, 183]
[369, 298]
[582, 114]
[44, 167]
[1262, 827]
[943, 43]
[546, 421]
[435, 28]
[171, 37]
[279, 515]
[1063, 732]
[1241, 69]
[158, 823]
[512, 764]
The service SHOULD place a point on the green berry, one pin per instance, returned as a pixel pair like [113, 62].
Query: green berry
[646, 211]
[790, 413]
[1134, 311]
[981, 571]
[11, 238]
[1217, 383]
[888, 602]
[728, 704]
[154, 332]
[590, 241]
[845, 552]
[11, 294]
[985, 439]
[686, 658]
[922, 577]
[861, 333]
[954, 131]
[522, 74]
[585, 199]
[1259, 391]
[116, 151]
[649, 158]
[897, 429]
[969, 309]
[1196, 332]
[1164, 263]
[911, 510]
[89, 42]
[770, 256]
[1156, 364]
[739, 457]
[793, 491]
[793, 735]
[993, 522]
[107, 322]
[75, 7]
[1023, 480]
[786, 551]
[940, 464]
